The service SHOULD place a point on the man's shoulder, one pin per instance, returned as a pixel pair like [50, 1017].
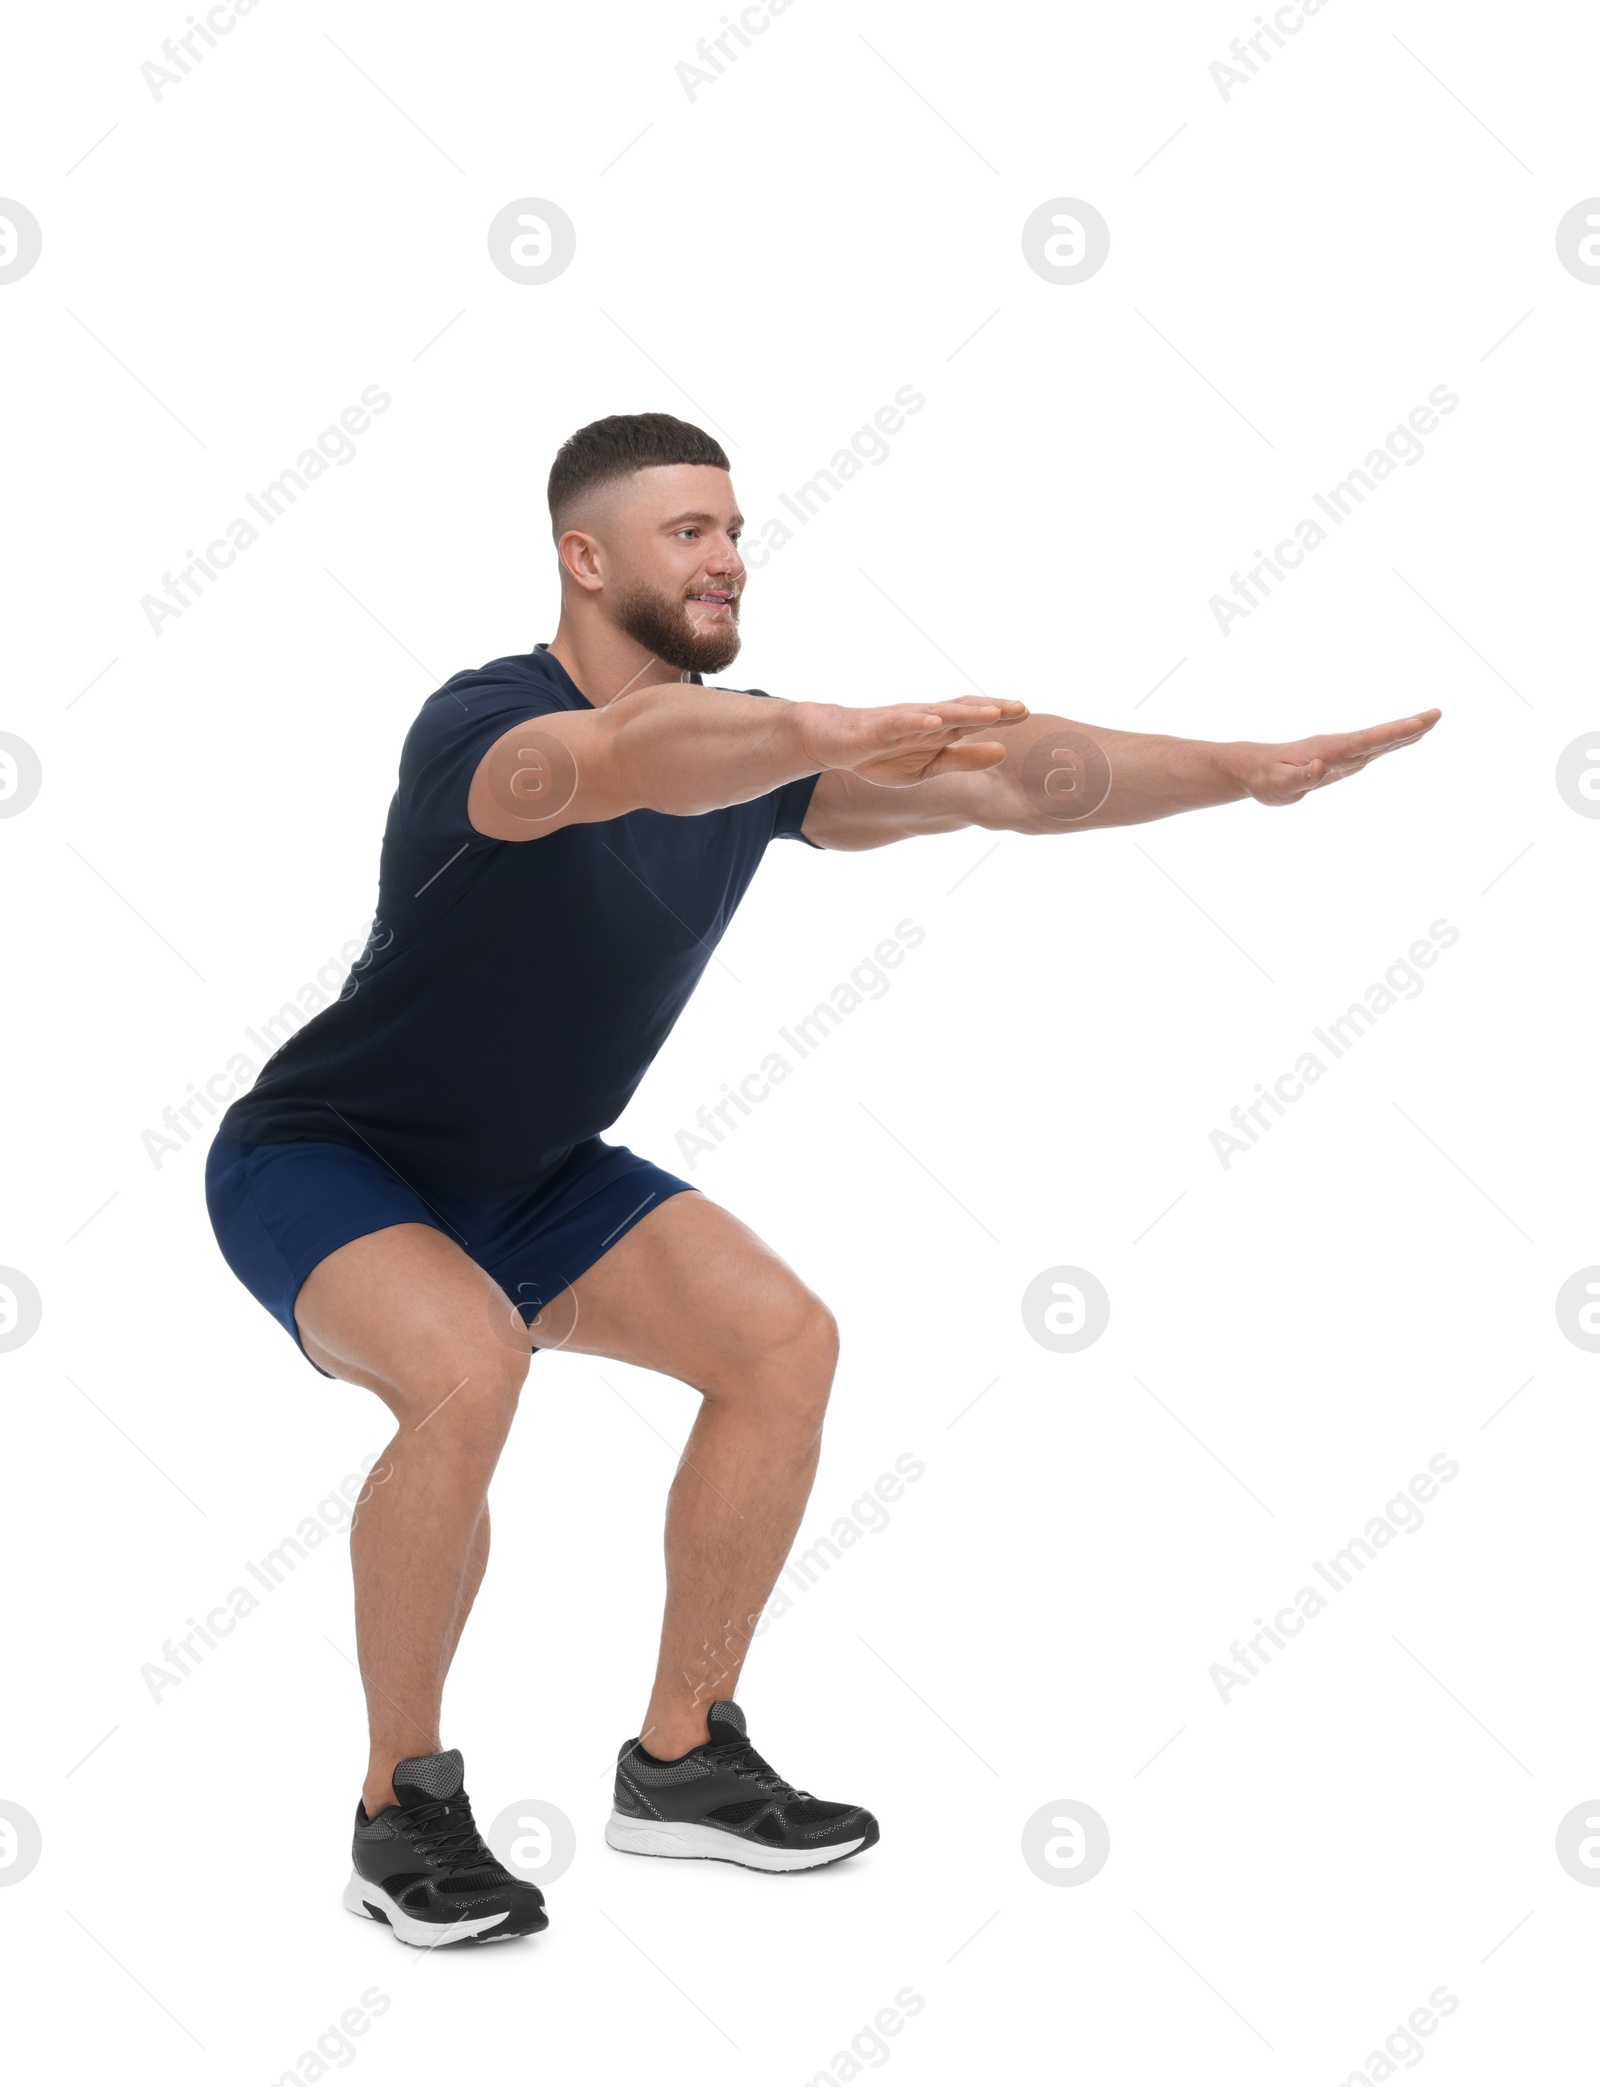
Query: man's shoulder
[514, 679]
[463, 718]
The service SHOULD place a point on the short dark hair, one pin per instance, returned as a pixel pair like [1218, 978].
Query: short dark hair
[621, 444]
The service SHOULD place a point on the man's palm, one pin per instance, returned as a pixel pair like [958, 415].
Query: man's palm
[903, 743]
[1282, 774]
[944, 753]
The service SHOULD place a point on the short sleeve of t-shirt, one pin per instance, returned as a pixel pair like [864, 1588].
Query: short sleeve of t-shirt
[790, 805]
[791, 801]
[452, 733]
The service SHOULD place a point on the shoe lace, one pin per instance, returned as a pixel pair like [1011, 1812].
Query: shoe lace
[446, 1831]
[744, 1761]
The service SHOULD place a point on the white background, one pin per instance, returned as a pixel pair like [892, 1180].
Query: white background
[1292, 1872]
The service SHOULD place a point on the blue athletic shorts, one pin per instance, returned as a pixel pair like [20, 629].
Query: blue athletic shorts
[278, 1210]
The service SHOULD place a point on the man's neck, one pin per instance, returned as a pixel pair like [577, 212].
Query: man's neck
[606, 663]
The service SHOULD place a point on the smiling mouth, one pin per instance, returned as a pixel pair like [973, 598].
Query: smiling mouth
[720, 604]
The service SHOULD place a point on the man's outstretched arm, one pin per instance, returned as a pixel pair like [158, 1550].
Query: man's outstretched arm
[683, 749]
[1059, 777]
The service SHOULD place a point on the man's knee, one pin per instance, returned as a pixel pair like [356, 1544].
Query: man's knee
[817, 1338]
[789, 1351]
[466, 1409]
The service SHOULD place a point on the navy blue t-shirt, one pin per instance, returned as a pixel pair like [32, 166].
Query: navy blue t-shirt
[512, 993]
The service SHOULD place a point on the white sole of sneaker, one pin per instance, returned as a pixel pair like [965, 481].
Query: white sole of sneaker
[372, 1903]
[714, 1844]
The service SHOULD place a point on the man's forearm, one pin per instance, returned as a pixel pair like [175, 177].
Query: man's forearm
[687, 750]
[1059, 777]
[1051, 778]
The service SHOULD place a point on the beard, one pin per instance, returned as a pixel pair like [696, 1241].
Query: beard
[662, 623]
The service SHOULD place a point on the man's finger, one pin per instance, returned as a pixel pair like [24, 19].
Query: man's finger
[967, 755]
[1375, 739]
[1387, 746]
[892, 727]
[959, 714]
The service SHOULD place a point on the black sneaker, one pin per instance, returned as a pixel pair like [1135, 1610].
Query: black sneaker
[422, 1869]
[723, 1803]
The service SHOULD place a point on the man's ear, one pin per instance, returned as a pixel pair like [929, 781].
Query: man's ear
[579, 553]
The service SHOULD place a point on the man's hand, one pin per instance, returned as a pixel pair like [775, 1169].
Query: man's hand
[906, 743]
[1141, 776]
[1283, 774]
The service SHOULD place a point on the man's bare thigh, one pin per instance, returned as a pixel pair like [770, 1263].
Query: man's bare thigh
[690, 1290]
[402, 1310]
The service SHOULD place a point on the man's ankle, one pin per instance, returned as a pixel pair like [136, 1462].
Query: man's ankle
[670, 1738]
[377, 1792]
